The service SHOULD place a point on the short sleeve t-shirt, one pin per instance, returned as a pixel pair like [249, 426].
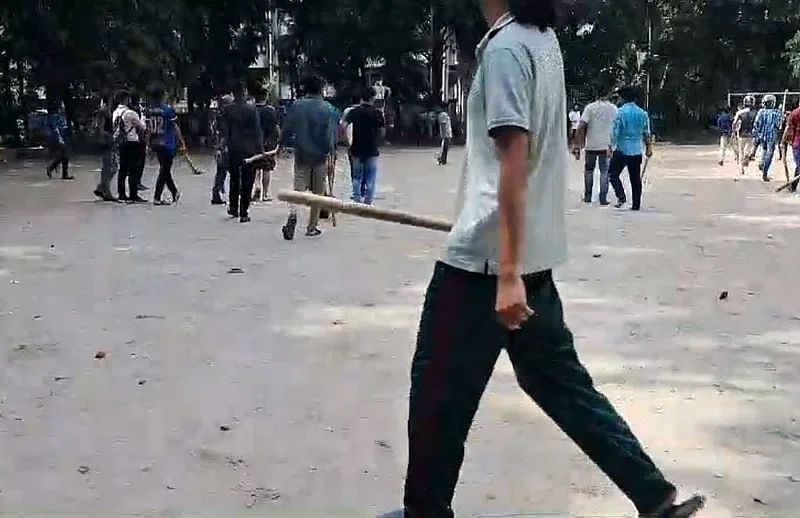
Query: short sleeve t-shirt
[574, 119]
[519, 82]
[599, 118]
[367, 122]
[161, 123]
[268, 118]
[794, 128]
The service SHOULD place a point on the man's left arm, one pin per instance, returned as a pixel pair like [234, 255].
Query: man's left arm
[648, 146]
[508, 85]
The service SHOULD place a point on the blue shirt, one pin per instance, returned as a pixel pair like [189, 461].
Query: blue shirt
[724, 123]
[161, 123]
[767, 127]
[308, 127]
[631, 127]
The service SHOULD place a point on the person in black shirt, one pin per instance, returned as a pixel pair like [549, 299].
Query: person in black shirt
[368, 126]
[242, 131]
[268, 117]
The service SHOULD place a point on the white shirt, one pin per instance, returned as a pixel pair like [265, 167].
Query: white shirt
[599, 118]
[574, 119]
[130, 122]
[519, 82]
[445, 126]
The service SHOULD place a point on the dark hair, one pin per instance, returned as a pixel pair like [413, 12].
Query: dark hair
[629, 94]
[539, 13]
[312, 85]
[238, 89]
[355, 99]
[369, 94]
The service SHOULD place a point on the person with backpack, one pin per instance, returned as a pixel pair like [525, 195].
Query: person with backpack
[129, 136]
[104, 128]
[164, 137]
[57, 133]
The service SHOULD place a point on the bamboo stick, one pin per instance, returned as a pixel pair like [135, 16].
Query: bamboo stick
[364, 211]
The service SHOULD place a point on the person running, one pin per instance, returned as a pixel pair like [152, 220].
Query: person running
[724, 127]
[494, 287]
[368, 125]
[766, 133]
[446, 134]
[268, 118]
[594, 130]
[129, 134]
[57, 142]
[308, 129]
[242, 130]
[165, 135]
[221, 158]
[791, 137]
[743, 123]
[631, 132]
[104, 127]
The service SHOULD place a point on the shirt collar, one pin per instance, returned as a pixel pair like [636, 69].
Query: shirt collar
[506, 19]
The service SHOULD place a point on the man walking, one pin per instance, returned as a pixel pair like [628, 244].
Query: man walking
[446, 134]
[368, 125]
[308, 128]
[595, 128]
[574, 121]
[767, 132]
[244, 139]
[743, 123]
[129, 134]
[268, 118]
[724, 127]
[57, 135]
[630, 133]
[494, 287]
[221, 158]
[165, 135]
[104, 127]
[348, 132]
[792, 137]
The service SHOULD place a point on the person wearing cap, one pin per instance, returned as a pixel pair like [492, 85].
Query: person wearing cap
[743, 129]
[766, 132]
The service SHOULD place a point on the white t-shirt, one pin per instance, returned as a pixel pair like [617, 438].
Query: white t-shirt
[599, 118]
[445, 127]
[519, 82]
[574, 119]
[130, 123]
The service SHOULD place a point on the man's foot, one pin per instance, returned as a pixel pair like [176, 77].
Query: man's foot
[217, 201]
[49, 172]
[766, 178]
[142, 187]
[619, 204]
[67, 177]
[136, 199]
[586, 200]
[122, 197]
[313, 232]
[288, 228]
[98, 193]
[604, 202]
[234, 213]
[176, 196]
[244, 219]
[399, 513]
[635, 208]
[686, 509]
[721, 162]
[109, 197]
[160, 202]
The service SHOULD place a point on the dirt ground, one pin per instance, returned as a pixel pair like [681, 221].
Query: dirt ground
[283, 390]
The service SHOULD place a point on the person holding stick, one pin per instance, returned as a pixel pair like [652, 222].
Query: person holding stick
[630, 133]
[494, 287]
[242, 130]
[791, 137]
[308, 128]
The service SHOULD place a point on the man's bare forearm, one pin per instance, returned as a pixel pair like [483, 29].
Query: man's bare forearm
[513, 145]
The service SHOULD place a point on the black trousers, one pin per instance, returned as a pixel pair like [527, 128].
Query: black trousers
[445, 147]
[60, 154]
[241, 186]
[634, 165]
[165, 159]
[131, 167]
[458, 344]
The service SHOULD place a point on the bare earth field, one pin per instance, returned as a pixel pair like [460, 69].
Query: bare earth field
[282, 390]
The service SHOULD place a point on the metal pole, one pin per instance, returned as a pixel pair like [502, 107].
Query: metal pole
[649, 52]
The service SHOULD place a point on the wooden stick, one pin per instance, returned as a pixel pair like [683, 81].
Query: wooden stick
[787, 184]
[261, 156]
[364, 211]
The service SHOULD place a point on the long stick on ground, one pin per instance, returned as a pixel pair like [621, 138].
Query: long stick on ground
[364, 211]
[787, 184]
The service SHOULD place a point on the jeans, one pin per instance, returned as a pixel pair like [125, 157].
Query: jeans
[601, 159]
[60, 154]
[219, 181]
[796, 152]
[131, 167]
[444, 150]
[241, 187]
[365, 175]
[459, 341]
[769, 152]
[165, 158]
[634, 165]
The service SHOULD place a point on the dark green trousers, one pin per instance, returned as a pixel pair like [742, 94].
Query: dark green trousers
[458, 344]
